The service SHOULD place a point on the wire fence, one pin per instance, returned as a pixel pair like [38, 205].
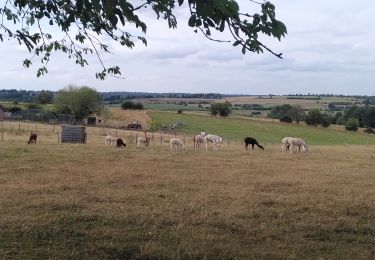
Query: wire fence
[17, 130]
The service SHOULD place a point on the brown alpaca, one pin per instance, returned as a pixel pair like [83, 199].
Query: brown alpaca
[143, 140]
[32, 138]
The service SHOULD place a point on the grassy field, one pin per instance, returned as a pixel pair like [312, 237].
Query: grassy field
[175, 107]
[97, 202]
[267, 132]
[281, 100]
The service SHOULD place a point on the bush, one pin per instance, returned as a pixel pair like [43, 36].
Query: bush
[314, 117]
[154, 125]
[286, 119]
[14, 109]
[223, 109]
[32, 106]
[326, 120]
[179, 111]
[369, 130]
[352, 124]
[132, 105]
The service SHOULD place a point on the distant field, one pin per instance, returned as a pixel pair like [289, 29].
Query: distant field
[266, 132]
[305, 102]
[175, 107]
[281, 100]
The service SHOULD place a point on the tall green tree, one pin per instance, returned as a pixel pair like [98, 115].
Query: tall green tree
[278, 112]
[79, 101]
[314, 117]
[223, 109]
[83, 23]
[45, 97]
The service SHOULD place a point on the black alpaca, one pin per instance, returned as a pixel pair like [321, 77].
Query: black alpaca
[120, 143]
[252, 141]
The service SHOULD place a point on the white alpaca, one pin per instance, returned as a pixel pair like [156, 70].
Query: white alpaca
[285, 144]
[200, 141]
[215, 139]
[109, 139]
[176, 143]
[300, 143]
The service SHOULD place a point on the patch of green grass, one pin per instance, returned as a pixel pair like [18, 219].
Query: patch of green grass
[170, 107]
[265, 132]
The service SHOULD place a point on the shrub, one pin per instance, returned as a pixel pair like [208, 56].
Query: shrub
[32, 106]
[132, 105]
[340, 120]
[286, 119]
[352, 124]
[326, 120]
[14, 109]
[179, 111]
[155, 125]
[314, 117]
[369, 130]
[223, 109]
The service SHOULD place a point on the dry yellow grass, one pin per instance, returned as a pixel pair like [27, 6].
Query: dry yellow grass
[124, 117]
[98, 202]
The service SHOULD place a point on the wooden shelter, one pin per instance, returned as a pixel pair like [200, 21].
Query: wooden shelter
[73, 134]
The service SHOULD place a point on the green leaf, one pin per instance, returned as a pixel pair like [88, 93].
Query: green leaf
[192, 20]
[96, 5]
[79, 6]
[237, 42]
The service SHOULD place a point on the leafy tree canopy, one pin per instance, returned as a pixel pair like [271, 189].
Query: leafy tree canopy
[85, 23]
[223, 109]
[79, 101]
[45, 97]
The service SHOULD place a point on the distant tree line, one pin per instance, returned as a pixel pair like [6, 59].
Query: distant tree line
[119, 97]
[28, 96]
[352, 117]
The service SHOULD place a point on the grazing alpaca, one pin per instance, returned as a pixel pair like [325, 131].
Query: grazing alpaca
[200, 141]
[143, 140]
[32, 138]
[252, 141]
[300, 143]
[285, 144]
[216, 140]
[120, 143]
[176, 143]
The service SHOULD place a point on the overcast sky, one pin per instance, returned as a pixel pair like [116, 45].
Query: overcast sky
[330, 48]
